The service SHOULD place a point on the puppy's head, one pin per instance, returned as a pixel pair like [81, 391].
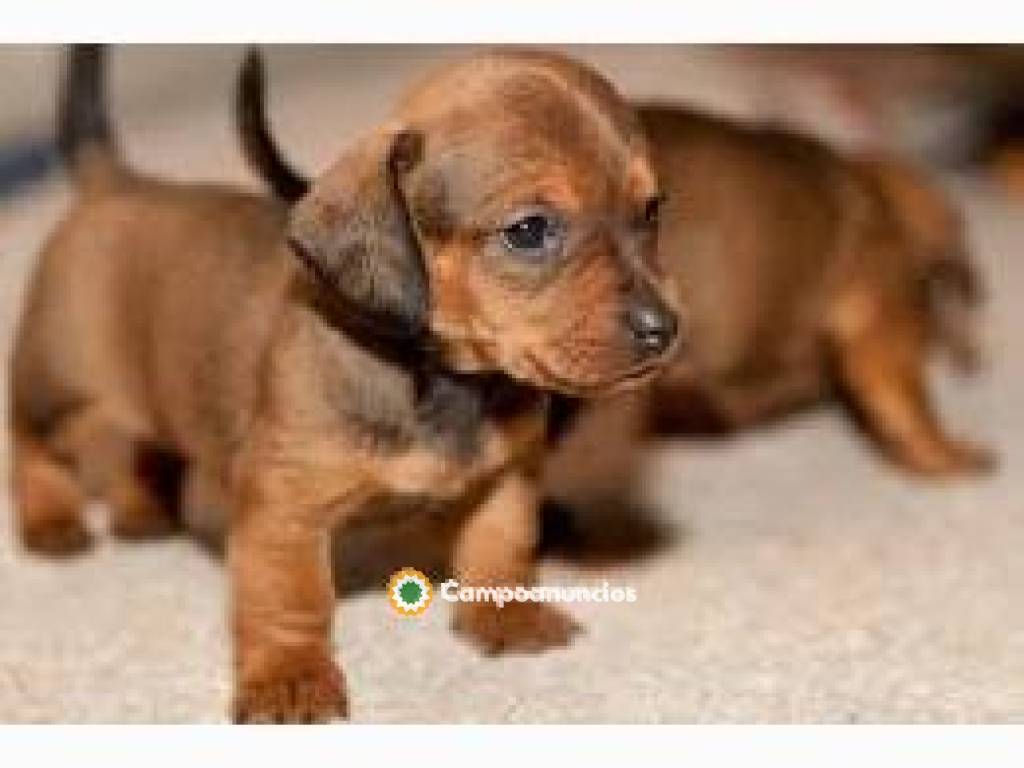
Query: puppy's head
[508, 212]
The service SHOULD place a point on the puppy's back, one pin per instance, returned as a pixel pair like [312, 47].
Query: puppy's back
[752, 218]
[125, 285]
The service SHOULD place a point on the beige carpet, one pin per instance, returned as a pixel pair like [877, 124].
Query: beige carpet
[810, 582]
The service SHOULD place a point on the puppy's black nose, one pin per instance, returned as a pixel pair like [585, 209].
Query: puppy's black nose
[653, 325]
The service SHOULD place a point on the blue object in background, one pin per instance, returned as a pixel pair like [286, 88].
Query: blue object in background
[25, 160]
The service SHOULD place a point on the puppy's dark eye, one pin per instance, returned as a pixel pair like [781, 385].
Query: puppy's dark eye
[535, 233]
[652, 209]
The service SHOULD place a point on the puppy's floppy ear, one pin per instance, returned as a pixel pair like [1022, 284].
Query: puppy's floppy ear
[352, 230]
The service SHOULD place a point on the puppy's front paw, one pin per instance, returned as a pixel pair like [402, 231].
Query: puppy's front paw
[310, 694]
[515, 628]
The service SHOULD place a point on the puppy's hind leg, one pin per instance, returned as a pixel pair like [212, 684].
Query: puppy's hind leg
[881, 369]
[48, 499]
[119, 461]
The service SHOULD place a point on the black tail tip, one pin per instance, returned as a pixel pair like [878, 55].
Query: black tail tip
[82, 118]
[252, 77]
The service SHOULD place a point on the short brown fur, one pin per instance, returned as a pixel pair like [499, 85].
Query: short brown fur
[806, 274]
[403, 355]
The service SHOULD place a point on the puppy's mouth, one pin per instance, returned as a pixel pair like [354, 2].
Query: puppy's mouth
[636, 377]
[631, 378]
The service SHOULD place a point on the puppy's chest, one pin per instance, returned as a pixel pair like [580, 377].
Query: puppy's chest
[464, 430]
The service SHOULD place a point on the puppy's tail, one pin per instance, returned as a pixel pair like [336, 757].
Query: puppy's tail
[84, 137]
[258, 146]
[935, 228]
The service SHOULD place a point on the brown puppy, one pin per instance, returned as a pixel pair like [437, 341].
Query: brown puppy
[492, 242]
[806, 274]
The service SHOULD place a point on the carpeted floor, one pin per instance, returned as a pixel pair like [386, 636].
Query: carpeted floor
[808, 580]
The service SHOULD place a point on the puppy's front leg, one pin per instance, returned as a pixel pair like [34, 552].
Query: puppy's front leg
[283, 605]
[496, 548]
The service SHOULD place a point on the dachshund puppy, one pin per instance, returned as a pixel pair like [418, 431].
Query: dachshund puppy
[393, 337]
[805, 274]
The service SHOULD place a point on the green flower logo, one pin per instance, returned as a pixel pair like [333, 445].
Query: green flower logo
[409, 592]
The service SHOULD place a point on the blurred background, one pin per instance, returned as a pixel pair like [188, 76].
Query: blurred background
[796, 575]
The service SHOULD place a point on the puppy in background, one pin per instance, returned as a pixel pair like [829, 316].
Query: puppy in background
[390, 341]
[807, 275]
